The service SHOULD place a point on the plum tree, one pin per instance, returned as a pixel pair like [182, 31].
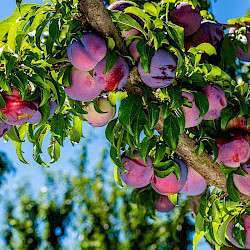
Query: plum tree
[164, 205]
[195, 183]
[246, 220]
[217, 101]
[99, 119]
[162, 70]
[186, 16]
[233, 149]
[86, 52]
[115, 79]
[17, 111]
[242, 183]
[170, 185]
[191, 114]
[83, 87]
[139, 174]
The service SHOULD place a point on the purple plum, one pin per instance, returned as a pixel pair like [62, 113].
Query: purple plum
[164, 205]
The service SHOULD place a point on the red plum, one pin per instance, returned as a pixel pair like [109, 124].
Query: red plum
[162, 70]
[100, 119]
[85, 53]
[164, 205]
[195, 183]
[4, 128]
[233, 150]
[246, 220]
[139, 174]
[115, 79]
[169, 185]
[83, 87]
[185, 16]
[217, 101]
[191, 114]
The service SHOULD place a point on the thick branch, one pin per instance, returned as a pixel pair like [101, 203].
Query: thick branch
[98, 17]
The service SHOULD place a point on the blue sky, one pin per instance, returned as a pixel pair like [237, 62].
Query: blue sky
[222, 10]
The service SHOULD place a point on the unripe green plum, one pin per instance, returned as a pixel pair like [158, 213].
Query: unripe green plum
[100, 119]
[217, 101]
[139, 174]
[233, 149]
[162, 70]
[164, 205]
[185, 16]
[246, 220]
[4, 128]
[83, 87]
[243, 183]
[169, 185]
[115, 79]
[191, 114]
[17, 111]
[85, 53]
[195, 183]
[121, 6]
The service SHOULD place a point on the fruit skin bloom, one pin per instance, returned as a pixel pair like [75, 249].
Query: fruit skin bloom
[139, 174]
[164, 205]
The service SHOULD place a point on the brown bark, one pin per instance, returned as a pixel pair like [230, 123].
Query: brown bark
[99, 19]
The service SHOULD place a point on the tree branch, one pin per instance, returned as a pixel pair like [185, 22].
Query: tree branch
[98, 18]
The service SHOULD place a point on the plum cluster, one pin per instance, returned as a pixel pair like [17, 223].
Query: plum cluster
[140, 174]
[18, 111]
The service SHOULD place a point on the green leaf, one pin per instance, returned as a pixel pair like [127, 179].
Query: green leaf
[150, 9]
[14, 134]
[239, 233]
[231, 189]
[109, 132]
[128, 110]
[171, 131]
[196, 239]
[174, 93]
[153, 114]
[199, 223]
[77, 124]
[58, 127]
[117, 177]
[54, 29]
[110, 61]
[115, 158]
[202, 103]
[173, 198]
[207, 48]
[159, 152]
[222, 232]
[243, 105]
[54, 150]
[111, 43]
[37, 157]
[146, 146]
[228, 52]
[199, 149]
[74, 136]
[242, 42]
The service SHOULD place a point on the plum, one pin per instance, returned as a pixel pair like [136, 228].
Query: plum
[209, 32]
[233, 149]
[100, 119]
[85, 53]
[83, 87]
[164, 204]
[4, 128]
[217, 101]
[246, 220]
[185, 16]
[238, 123]
[243, 183]
[121, 6]
[133, 50]
[139, 174]
[162, 70]
[191, 114]
[17, 111]
[36, 117]
[195, 183]
[115, 79]
[169, 185]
